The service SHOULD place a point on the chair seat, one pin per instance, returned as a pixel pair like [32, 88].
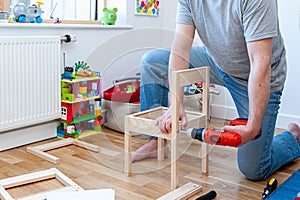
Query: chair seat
[144, 122]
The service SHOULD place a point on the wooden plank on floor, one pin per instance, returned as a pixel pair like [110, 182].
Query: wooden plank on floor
[182, 192]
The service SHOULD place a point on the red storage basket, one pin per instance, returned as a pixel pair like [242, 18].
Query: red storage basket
[124, 90]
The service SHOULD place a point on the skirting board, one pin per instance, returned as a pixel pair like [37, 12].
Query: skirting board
[16, 138]
[283, 120]
[36, 177]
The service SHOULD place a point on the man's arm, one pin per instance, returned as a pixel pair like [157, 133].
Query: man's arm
[260, 53]
[181, 47]
[179, 59]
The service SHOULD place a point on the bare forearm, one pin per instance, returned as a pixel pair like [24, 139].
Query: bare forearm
[258, 93]
[180, 51]
[177, 62]
[260, 53]
[259, 82]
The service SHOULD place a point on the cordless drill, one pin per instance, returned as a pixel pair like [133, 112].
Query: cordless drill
[219, 137]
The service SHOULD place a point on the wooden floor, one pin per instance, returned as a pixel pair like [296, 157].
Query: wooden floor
[151, 178]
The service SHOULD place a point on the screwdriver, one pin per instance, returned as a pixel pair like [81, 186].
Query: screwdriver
[271, 186]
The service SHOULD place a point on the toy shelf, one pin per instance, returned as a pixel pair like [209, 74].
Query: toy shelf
[80, 79]
[84, 118]
[76, 101]
[81, 106]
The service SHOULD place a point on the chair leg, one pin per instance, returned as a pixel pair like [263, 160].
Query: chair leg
[160, 149]
[127, 153]
[174, 163]
[204, 158]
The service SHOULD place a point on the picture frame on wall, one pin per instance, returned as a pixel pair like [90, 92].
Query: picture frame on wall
[147, 7]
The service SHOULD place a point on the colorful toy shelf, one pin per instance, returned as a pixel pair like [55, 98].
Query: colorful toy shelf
[80, 79]
[80, 105]
[83, 118]
[76, 101]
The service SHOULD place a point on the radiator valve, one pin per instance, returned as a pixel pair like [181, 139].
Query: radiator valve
[69, 38]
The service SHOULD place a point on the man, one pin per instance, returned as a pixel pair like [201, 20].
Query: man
[245, 51]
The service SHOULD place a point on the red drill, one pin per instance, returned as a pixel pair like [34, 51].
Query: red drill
[219, 137]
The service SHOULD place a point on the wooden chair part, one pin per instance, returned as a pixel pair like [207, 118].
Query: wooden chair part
[40, 150]
[143, 122]
[36, 177]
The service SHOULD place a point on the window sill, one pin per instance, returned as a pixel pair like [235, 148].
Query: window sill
[92, 25]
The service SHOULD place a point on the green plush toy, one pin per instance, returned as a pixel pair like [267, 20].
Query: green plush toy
[109, 16]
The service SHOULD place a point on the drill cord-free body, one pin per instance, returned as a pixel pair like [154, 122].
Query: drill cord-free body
[218, 137]
[214, 136]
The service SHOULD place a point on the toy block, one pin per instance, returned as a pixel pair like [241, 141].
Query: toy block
[68, 97]
[83, 90]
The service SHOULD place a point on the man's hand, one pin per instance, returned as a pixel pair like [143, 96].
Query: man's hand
[246, 132]
[164, 122]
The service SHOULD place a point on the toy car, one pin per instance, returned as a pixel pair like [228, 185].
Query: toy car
[24, 12]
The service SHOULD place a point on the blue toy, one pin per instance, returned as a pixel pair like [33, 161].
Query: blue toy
[24, 12]
[68, 73]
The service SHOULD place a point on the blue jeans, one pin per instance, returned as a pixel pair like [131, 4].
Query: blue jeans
[257, 159]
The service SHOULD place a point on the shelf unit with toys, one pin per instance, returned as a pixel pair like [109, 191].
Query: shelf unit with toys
[80, 104]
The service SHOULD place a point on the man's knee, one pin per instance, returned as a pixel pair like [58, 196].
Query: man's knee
[154, 66]
[148, 57]
[156, 56]
[252, 173]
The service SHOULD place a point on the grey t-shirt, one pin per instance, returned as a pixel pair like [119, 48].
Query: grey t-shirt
[225, 27]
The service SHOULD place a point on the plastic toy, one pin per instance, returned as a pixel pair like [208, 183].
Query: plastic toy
[109, 16]
[76, 118]
[78, 71]
[81, 66]
[81, 102]
[68, 73]
[82, 69]
[24, 12]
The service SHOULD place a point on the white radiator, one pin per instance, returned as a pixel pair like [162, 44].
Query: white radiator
[29, 80]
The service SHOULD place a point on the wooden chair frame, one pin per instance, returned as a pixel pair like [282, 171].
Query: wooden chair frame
[34, 177]
[143, 122]
[40, 150]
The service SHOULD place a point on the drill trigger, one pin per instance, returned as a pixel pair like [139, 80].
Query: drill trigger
[215, 138]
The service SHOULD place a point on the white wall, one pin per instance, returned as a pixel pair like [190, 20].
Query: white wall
[289, 20]
[158, 32]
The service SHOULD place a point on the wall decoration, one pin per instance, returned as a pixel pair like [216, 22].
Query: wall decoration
[147, 7]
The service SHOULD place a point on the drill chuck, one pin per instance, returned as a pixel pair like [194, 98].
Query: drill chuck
[196, 133]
